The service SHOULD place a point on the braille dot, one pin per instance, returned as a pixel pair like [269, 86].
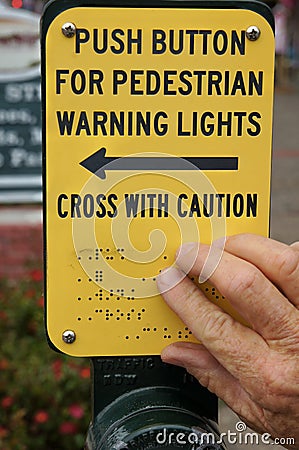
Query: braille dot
[137, 337]
[79, 279]
[122, 257]
[154, 329]
[165, 257]
[127, 337]
[79, 318]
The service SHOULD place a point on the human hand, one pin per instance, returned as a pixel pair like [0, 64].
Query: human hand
[254, 370]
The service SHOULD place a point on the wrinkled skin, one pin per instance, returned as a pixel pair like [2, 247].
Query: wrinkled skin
[254, 370]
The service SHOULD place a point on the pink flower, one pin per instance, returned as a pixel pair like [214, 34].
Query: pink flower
[76, 411]
[6, 402]
[3, 432]
[56, 367]
[85, 372]
[36, 275]
[68, 428]
[3, 364]
[40, 302]
[41, 417]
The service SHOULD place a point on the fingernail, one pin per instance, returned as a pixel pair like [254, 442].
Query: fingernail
[169, 278]
[186, 256]
[220, 242]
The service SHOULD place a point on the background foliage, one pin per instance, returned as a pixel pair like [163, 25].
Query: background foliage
[44, 396]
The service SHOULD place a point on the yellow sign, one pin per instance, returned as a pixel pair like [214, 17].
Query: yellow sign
[157, 132]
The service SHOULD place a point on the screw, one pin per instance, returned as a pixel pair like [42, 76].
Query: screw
[68, 336]
[253, 33]
[68, 29]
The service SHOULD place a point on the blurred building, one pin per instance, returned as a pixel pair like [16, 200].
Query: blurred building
[30, 5]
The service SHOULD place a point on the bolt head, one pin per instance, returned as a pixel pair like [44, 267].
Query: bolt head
[253, 33]
[68, 29]
[68, 336]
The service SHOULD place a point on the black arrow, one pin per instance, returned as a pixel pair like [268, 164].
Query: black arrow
[97, 162]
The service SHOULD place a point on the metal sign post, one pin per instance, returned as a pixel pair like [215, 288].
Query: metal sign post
[157, 131]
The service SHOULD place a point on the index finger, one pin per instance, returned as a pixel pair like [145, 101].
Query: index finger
[248, 290]
[230, 342]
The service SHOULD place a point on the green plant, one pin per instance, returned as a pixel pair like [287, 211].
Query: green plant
[44, 396]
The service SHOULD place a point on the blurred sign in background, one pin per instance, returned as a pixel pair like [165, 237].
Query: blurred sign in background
[20, 109]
